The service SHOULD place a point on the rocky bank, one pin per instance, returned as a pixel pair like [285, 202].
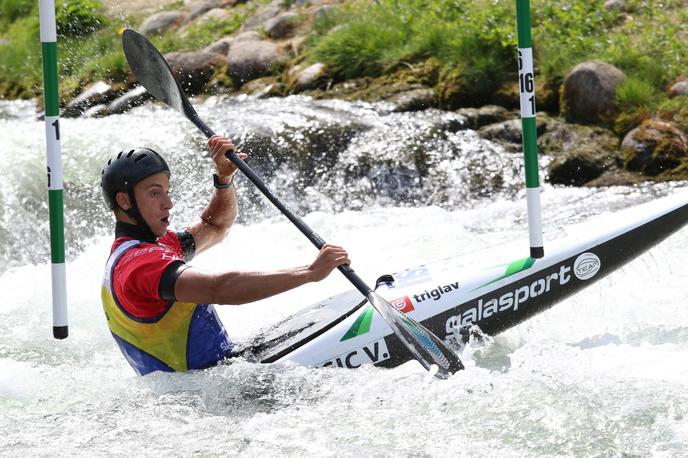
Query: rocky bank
[576, 116]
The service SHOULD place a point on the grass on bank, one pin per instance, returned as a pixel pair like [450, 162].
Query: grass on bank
[468, 40]
[89, 45]
[477, 39]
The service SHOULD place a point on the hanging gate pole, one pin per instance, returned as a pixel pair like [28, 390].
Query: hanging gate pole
[527, 89]
[54, 151]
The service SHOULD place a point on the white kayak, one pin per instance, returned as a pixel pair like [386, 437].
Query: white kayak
[345, 331]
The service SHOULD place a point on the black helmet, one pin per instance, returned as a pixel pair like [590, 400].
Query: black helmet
[124, 170]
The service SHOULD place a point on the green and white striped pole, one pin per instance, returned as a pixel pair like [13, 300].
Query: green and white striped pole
[527, 89]
[52, 136]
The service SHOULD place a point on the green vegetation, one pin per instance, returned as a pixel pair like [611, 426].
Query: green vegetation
[465, 48]
[474, 41]
[89, 45]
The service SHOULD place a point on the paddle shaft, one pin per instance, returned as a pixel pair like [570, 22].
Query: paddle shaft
[298, 222]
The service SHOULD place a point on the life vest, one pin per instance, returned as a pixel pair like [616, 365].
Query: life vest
[185, 336]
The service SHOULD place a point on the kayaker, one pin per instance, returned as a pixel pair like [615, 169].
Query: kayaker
[159, 308]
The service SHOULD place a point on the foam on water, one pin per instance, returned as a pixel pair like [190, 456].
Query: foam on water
[603, 373]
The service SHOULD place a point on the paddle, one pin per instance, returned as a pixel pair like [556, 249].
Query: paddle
[156, 76]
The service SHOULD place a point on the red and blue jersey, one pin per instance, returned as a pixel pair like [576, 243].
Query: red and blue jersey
[153, 330]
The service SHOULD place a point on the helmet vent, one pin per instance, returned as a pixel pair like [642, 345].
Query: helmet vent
[120, 154]
[130, 153]
[141, 157]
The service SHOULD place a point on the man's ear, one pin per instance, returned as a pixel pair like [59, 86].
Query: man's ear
[122, 199]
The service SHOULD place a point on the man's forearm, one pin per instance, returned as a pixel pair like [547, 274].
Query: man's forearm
[216, 219]
[236, 288]
[221, 212]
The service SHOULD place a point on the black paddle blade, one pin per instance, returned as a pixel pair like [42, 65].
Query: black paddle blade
[153, 72]
[425, 346]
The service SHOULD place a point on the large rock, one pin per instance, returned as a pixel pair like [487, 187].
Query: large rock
[488, 114]
[199, 8]
[281, 25]
[268, 12]
[214, 15]
[414, 100]
[263, 88]
[129, 100]
[160, 22]
[509, 133]
[310, 77]
[618, 5]
[252, 59]
[589, 91]
[194, 69]
[220, 46]
[679, 88]
[654, 147]
[95, 94]
[580, 153]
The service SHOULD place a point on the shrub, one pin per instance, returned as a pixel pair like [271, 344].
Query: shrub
[76, 18]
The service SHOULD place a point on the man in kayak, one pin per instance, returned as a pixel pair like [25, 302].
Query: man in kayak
[159, 309]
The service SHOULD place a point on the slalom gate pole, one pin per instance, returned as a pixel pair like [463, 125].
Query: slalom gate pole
[527, 88]
[54, 152]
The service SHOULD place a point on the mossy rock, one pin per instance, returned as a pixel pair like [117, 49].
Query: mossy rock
[455, 91]
[576, 168]
[654, 147]
[547, 94]
[678, 173]
[580, 153]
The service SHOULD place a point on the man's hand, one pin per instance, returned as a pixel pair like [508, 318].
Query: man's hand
[329, 257]
[218, 146]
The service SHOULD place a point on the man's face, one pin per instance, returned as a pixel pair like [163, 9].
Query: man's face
[153, 199]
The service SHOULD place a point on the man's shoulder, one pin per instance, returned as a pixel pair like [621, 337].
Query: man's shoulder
[165, 248]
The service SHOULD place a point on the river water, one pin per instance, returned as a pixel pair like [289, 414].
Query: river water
[603, 373]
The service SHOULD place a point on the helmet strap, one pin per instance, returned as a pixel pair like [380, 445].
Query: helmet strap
[134, 213]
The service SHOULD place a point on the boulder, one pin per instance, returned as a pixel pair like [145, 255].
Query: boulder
[199, 8]
[414, 100]
[580, 153]
[194, 69]
[654, 147]
[324, 11]
[214, 14]
[506, 131]
[133, 98]
[268, 12]
[618, 5]
[263, 88]
[96, 111]
[160, 22]
[589, 91]
[679, 88]
[250, 35]
[488, 114]
[310, 77]
[97, 93]
[221, 46]
[248, 60]
[280, 26]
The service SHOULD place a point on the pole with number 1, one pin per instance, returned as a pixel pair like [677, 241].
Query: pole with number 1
[527, 88]
[55, 197]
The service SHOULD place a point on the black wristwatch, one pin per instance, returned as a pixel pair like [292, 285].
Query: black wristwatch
[219, 185]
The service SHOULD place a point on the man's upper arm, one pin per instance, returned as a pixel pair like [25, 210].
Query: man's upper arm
[205, 235]
[195, 285]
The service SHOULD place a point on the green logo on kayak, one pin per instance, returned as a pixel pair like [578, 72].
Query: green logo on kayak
[361, 325]
[513, 268]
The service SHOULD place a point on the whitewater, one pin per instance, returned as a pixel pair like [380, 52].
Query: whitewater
[603, 373]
